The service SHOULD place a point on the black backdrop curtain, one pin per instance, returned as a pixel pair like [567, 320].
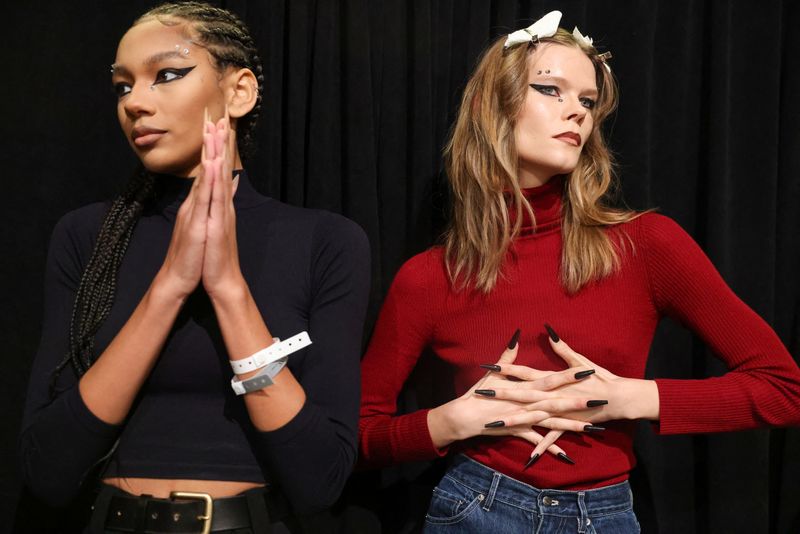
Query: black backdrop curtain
[359, 98]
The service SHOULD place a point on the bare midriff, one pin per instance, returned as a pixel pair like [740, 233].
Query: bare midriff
[161, 488]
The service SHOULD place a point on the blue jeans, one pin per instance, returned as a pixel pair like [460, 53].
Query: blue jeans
[474, 498]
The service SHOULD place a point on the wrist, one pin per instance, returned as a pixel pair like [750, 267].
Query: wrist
[166, 289]
[442, 426]
[638, 399]
[233, 292]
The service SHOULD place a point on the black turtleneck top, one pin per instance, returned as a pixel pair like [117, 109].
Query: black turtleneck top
[307, 270]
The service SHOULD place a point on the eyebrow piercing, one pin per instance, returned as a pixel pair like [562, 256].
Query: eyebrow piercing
[560, 99]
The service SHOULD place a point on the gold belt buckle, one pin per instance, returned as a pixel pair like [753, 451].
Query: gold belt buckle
[209, 511]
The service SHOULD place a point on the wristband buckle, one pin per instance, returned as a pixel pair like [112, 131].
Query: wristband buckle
[208, 513]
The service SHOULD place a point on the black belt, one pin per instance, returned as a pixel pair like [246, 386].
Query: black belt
[118, 511]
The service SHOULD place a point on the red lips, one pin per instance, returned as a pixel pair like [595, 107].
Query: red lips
[569, 137]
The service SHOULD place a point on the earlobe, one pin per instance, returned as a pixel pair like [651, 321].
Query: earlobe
[242, 93]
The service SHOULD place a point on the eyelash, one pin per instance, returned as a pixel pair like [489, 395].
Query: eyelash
[552, 90]
[161, 77]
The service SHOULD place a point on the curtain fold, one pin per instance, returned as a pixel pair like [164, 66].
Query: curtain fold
[358, 102]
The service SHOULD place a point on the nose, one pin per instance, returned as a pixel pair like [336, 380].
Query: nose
[574, 110]
[139, 101]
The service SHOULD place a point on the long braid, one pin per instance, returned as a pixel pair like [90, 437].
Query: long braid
[98, 284]
[228, 41]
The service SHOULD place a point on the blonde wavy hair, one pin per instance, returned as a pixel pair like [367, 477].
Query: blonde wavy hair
[482, 166]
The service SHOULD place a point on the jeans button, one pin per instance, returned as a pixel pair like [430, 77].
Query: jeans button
[547, 500]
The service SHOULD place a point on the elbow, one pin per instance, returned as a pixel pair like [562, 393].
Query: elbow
[321, 492]
[46, 482]
[49, 489]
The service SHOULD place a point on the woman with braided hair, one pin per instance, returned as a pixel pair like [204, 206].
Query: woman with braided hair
[147, 301]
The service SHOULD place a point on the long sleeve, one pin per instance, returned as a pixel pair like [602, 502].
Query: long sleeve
[762, 386]
[404, 328]
[61, 439]
[312, 456]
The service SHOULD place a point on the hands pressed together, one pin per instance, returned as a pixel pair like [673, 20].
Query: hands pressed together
[510, 399]
[203, 245]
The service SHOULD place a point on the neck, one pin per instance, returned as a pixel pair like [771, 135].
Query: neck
[533, 178]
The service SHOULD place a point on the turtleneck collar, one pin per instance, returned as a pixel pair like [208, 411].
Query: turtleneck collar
[545, 200]
[170, 191]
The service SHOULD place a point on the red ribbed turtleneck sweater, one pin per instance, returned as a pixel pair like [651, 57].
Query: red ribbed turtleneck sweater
[612, 322]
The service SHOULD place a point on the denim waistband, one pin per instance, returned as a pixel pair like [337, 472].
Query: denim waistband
[496, 486]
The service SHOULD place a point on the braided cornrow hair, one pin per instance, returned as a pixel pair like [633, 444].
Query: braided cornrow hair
[228, 41]
[95, 294]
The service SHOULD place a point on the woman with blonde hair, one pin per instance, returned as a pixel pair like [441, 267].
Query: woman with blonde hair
[535, 251]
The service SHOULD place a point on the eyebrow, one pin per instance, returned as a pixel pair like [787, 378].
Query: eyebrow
[564, 81]
[152, 60]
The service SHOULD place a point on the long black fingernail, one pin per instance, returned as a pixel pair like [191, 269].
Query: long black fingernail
[491, 367]
[513, 342]
[596, 403]
[495, 424]
[583, 374]
[485, 392]
[566, 458]
[552, 333]
[531, 461]
[593, 428]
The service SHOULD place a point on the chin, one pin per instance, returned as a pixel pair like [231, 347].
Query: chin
[156, 163]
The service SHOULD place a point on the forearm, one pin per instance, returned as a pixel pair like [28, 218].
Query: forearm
[111, 384]
[245, 333]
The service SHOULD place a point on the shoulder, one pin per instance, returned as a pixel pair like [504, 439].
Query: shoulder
[77, 230]
[334, 228]
[73, 240]
[422, 272]
[656, 231]
[315, 225]
[86, 219]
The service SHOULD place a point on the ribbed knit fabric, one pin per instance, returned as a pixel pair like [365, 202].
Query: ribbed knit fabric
[611, 321]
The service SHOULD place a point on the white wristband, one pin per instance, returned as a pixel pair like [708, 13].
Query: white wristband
[274, 352]
[261, 380]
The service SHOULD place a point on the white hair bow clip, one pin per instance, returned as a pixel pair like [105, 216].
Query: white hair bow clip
[585, 39]
[544, 27]
[576, 33]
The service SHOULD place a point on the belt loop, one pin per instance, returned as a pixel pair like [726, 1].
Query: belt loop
[259, 513]
[487, 504]
[141, 513]
[97, 523]
[583, 520]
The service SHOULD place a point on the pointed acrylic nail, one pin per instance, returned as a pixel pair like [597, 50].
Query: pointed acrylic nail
[593, 428]
[531, 461]
[596, 403]
[485, 392]
[495, 424]
[583, 374]
[490, 367]
[566, 458]
[552, 333]
[514, 339]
